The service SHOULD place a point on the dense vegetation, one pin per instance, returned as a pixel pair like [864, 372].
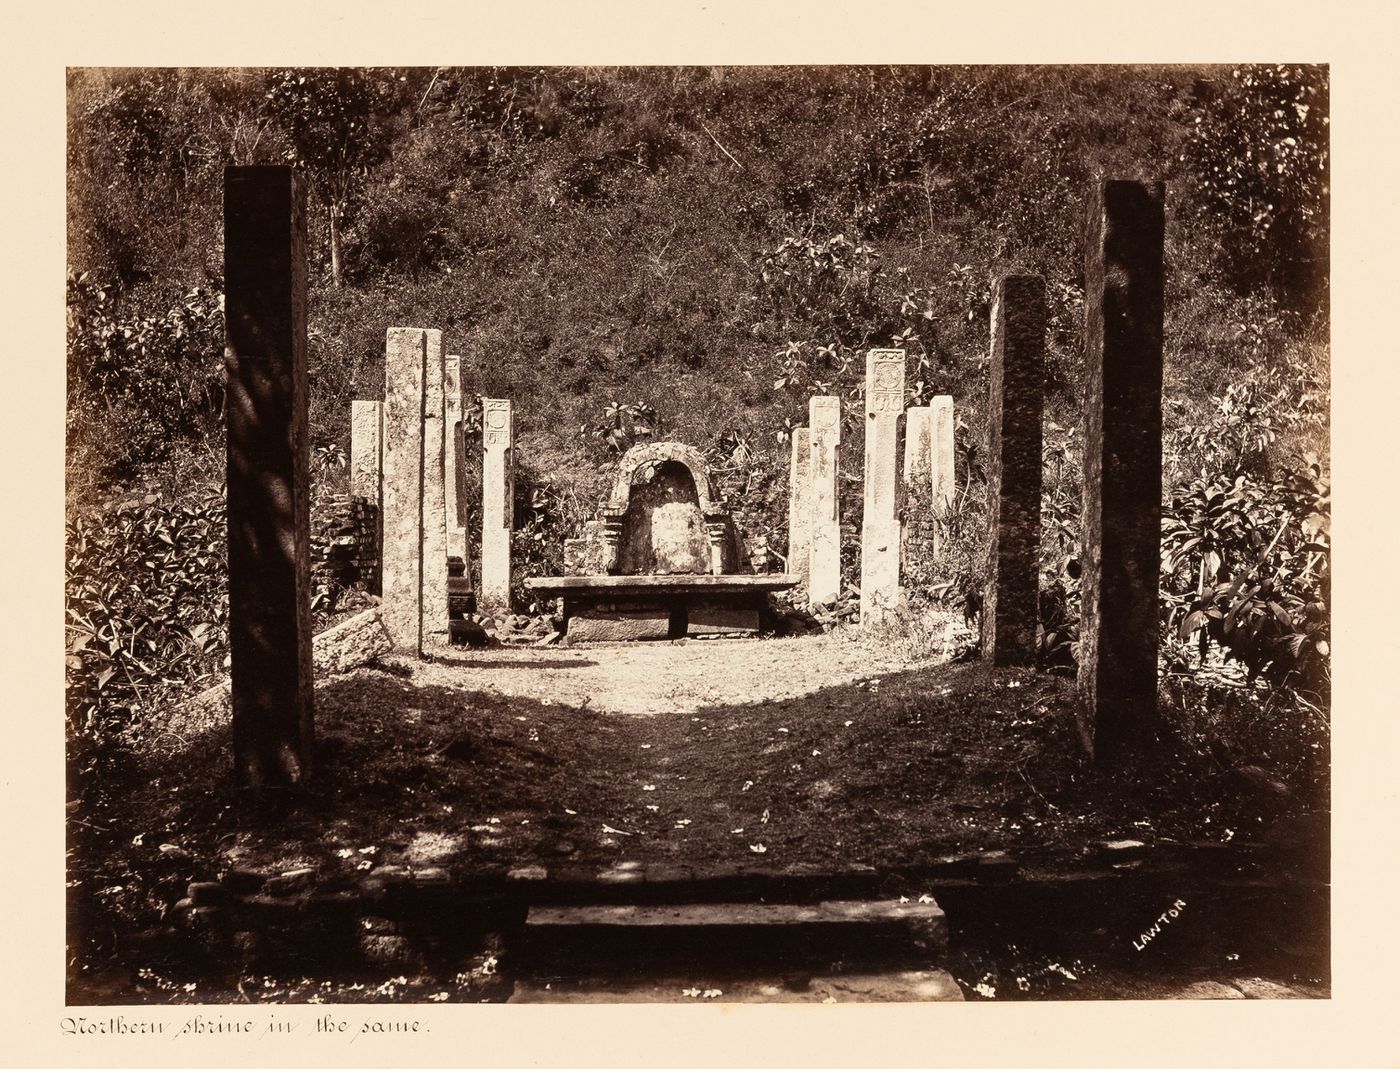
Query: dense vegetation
[692, 253]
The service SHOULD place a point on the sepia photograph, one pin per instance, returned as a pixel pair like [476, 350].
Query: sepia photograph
[822, 533]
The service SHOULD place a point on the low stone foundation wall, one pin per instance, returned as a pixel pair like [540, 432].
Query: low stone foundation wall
[432, 918]
[345, 542]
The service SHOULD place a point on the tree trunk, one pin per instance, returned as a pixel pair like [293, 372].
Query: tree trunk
[335, 245]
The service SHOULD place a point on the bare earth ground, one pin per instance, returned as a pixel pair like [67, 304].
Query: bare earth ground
[822, 750]
[675, 677]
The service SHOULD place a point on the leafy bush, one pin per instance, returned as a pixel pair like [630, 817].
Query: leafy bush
[1258, 154]
[141, 379]
[1248, 566]
[145, 604]
[547, 511]
[623, 425]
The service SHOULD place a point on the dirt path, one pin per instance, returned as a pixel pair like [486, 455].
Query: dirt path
[682, 677]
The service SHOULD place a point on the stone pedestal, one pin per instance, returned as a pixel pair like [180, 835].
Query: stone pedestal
[497, 501]
[1010, 604]
[800, 508]
[1122, 466]
[628, 608]
[401, 564]
[454, 457]
[269, 510]
[880, 533]
[434, 493]
[824, 555]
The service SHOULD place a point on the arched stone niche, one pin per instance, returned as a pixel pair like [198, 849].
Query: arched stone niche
[663, 528]
[661, 515]
[662, 560]
[659, 519]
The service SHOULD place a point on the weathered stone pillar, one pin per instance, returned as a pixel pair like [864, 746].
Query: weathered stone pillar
[366, 437]
[1010, 604]
[824, 555]
[941, 461]
[366, 470]
[401, 554]
[918, 451]
[497, 501]
[269, 510]
[880, 529]
[434, 494]
[453, 460]
[800, 508]
[1122, 466]
[917, 500]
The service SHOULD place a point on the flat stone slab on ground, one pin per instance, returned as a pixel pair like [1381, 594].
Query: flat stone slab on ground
[924, 917]
[1209, 989]
[921, 985]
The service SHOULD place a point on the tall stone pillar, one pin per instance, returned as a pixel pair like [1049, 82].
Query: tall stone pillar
[1123, 306]
[366, 473]
[800, 507]
[824, 554]
[401, 553]
[366, 437]
[434, 493]
[497, 501]
[945, 482]
[1010, 604]
[880, 529]
[454, 462]
[918, 451]
[928, 474]
[269, 507]
[918, 533]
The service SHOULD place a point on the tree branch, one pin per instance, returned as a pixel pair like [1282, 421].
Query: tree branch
[718, 145]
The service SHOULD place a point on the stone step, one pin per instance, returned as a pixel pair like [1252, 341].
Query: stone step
[924, 916]
[638, 883]
[751, 938]
[913, 985]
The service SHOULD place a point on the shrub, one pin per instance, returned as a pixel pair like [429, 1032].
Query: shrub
[141, 377]
[1258, 154]
[1248, 566]
[145, 604]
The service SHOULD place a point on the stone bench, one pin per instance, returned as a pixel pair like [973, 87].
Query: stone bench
[620, 608]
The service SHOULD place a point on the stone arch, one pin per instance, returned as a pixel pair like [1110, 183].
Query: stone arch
[658, 453]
